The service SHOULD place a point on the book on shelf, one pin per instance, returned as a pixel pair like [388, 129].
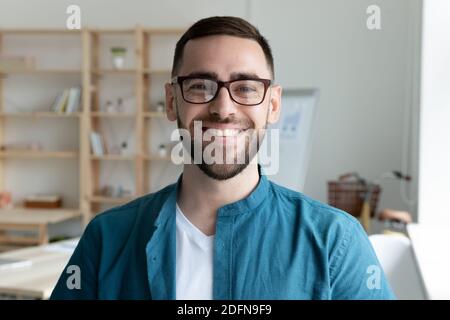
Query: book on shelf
[97, 144]
[60, 101]
[73, 101]
[67, 101]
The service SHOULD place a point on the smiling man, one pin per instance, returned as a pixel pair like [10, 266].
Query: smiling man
[223, 231]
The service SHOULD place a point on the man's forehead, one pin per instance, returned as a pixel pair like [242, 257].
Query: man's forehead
[231, 76]
[226, 57]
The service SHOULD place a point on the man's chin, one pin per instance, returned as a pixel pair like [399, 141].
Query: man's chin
[222, 171]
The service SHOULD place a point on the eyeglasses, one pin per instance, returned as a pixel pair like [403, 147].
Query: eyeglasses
[247, 92]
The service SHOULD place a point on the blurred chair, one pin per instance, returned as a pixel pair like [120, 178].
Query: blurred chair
[396, 257]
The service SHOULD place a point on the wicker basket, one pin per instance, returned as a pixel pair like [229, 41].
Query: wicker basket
[349, 196]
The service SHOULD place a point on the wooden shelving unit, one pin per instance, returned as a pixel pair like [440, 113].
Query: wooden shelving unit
[91, 115]
[39, 114]
[113, 157]
[43, 72]
[112, 114]
[39, 154]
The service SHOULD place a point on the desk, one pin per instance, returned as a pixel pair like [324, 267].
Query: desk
[31, 220]
[37, 280]
[430, 244]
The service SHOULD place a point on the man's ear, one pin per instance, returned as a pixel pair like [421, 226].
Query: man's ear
[274, 104]
[171, 111]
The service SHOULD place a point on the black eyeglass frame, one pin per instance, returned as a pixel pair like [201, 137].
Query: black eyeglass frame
[179, 80]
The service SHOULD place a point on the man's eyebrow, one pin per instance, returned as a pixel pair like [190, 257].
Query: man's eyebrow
[244, 75]
[203, 74]
[214, 76]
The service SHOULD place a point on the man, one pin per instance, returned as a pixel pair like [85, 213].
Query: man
[223, 231]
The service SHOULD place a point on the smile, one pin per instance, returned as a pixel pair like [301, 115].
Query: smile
[223, 132]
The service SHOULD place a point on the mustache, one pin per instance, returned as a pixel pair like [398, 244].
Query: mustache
[215, 119]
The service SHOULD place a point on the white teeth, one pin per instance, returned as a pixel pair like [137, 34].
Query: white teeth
[223, 133]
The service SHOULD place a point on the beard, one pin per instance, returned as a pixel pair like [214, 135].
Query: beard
[231, 166]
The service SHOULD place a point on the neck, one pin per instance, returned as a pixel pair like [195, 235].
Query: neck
[200, 196]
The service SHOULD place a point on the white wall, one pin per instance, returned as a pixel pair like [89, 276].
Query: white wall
[368, 80]
[434, 188]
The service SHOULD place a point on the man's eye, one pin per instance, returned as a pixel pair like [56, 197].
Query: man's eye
[197, 86]
[245, 89]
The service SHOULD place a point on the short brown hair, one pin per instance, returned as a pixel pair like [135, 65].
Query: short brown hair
[232, 26]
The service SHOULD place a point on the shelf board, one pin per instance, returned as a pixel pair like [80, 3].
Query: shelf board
[156, 31]
[114, 71]
[154, 114]
[113, 200]
[113, 157]
[112, 31]
[38, 154]
[39, 114]
[132, 71]
[21, 215]
[157, 158]
[39, 30]
[147, 114]
[102, 114]
[157, 71]
[43, 72]
[161, 31]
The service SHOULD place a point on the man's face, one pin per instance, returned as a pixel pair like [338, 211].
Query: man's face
[232, 125]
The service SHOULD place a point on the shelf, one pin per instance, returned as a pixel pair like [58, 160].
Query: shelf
[140, 73]
[129, 157]
[39, 114]
[101, 114]
[148, 114]
[113, 157]
[22, 215]
[154, 114]
[114, 71]
[112, 31]
[42, 30]
[38, 154]
[131, 71]
[42, 72]
[112, 200]
[161, 31]
[130, 31]
[157, 71]
[157, 158]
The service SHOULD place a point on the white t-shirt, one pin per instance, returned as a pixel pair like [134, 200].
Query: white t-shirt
[194, 269]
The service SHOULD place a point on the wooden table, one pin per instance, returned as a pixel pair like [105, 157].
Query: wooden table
[35, 220]
[37, 280]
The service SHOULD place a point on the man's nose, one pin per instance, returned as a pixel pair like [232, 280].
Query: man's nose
[223, 106]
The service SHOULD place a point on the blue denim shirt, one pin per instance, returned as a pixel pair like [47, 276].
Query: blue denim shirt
[274, 244]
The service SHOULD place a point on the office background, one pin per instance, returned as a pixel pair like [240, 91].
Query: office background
[375, 114]
[368, 80]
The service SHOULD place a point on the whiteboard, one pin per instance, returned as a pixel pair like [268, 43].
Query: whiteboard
[288, 165]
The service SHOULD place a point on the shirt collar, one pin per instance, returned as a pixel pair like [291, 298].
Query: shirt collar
[249, 203]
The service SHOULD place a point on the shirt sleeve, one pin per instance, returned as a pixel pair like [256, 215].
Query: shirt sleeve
[355, 272]
[78, 280]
